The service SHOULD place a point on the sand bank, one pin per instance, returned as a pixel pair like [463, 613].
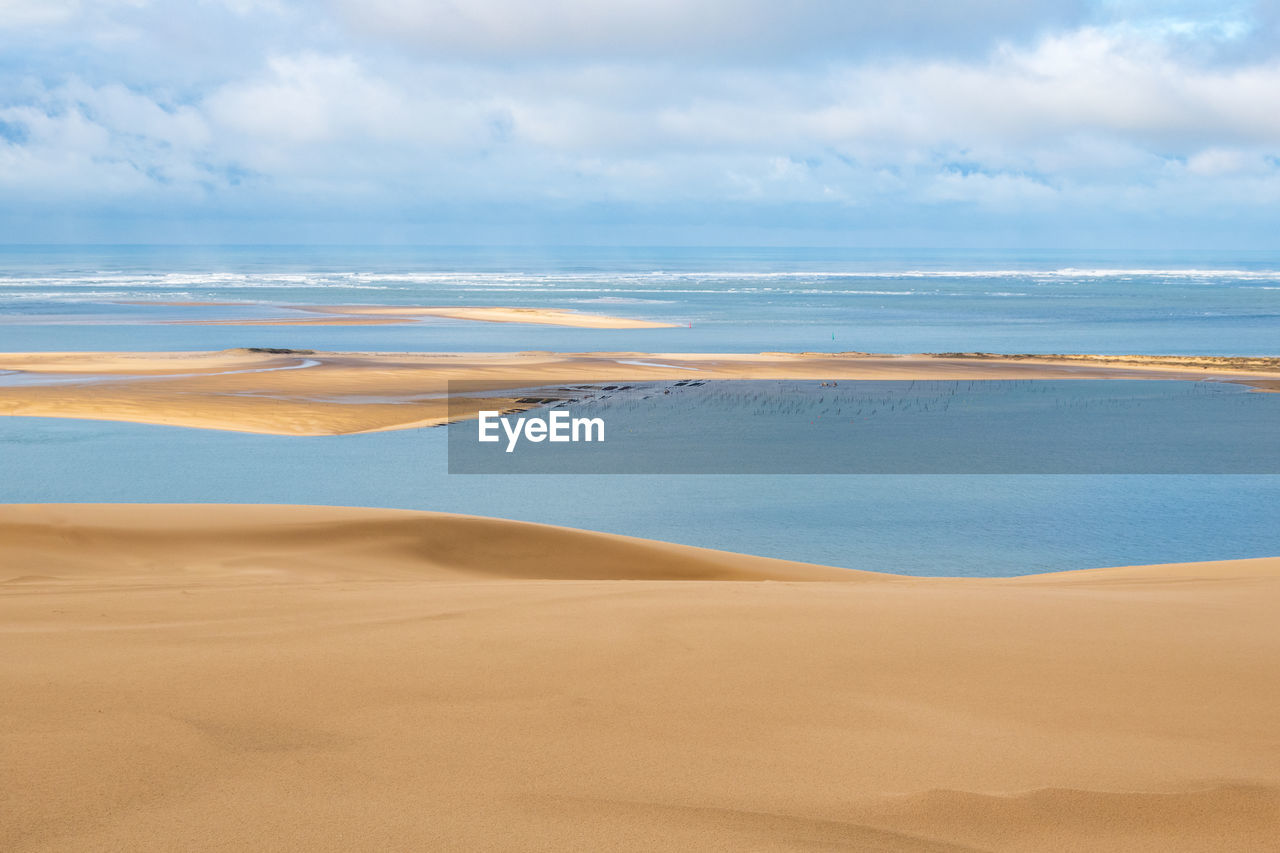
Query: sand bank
[306, 393]
[354, 315]
[337, 679]
[489, 314]
[1176, 362]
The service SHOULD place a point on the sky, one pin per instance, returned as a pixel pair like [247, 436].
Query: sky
[971, 123]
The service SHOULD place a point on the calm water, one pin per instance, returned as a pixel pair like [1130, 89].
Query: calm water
[732, 300]
[1072, 426]
[946, 524]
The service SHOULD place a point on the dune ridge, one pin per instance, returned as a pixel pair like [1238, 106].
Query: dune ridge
[325, 542]
[321, 678]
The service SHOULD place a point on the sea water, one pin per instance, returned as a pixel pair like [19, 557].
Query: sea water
[737, 300]
[792, 426]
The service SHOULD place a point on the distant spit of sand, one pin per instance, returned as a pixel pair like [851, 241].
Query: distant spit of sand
[355, 315]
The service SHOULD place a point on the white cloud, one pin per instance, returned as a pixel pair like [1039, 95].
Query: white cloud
[1214, 162]
[581, 103]
[27, 13]
[20, 14]
[681, 29]
[310, 99]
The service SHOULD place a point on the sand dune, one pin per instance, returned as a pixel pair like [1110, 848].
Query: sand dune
[203, 677]
[356, 543]
[305, 393]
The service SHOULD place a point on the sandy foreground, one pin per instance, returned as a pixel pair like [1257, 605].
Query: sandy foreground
[305, 393]
[272, 678]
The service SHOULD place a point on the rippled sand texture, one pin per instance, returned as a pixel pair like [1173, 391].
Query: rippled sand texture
[335, 679]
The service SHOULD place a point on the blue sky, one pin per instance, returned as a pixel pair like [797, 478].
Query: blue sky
[816, 122]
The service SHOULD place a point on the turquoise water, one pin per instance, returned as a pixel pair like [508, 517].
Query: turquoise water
[723, 300]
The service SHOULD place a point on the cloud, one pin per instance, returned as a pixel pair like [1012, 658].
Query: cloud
[310, 99]
[750, 30]
[1217, 162]
[24, 14]
[29, 13]
[1046, 112]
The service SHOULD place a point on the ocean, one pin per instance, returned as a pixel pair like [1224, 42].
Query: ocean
[736, 300]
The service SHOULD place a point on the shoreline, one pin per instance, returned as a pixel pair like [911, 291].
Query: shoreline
[32, 527]
[257, 670]
[305, 393]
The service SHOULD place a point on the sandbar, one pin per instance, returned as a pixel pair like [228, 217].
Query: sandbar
[328, 393]
[299, 392]
[356, 315]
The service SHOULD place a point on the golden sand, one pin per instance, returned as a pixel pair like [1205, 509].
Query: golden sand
[304, 393]
[350, 315]
[253, 678]
[491, 314]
